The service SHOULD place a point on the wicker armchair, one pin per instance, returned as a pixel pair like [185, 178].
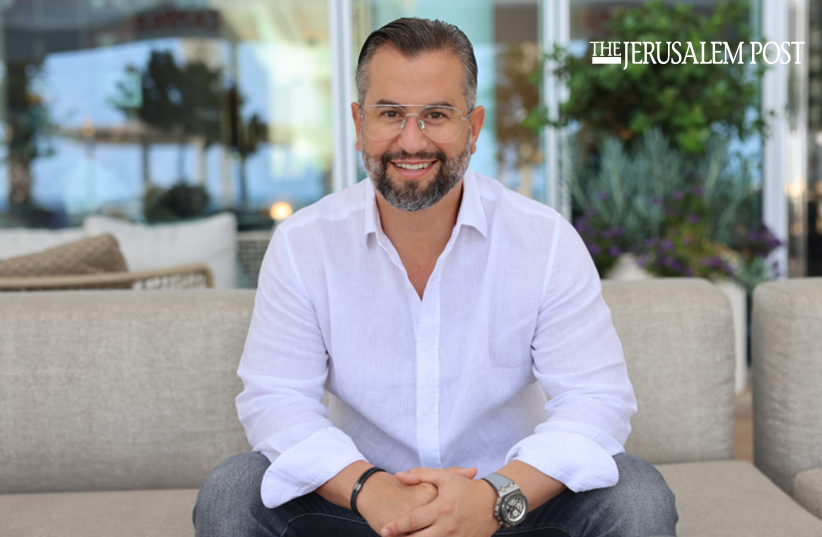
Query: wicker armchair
[196, 275]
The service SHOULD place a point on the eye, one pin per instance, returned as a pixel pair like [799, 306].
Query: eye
[437, 115]
[388, 113]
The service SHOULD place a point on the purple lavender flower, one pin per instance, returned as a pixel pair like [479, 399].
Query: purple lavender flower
[692, 218]
[613, 232]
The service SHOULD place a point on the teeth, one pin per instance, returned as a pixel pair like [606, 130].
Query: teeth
[412, 166]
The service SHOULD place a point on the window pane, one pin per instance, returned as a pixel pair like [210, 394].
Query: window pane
[104, 101]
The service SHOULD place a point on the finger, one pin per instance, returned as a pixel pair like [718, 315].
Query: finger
[418, 519]
[469, 473]
[428, 475]
[408, 478]
[420, 475]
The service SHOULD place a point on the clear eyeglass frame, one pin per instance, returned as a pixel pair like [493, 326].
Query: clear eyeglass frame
[430, 129]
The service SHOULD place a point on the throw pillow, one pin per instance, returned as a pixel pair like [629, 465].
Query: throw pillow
[210, 240]
[88, 256]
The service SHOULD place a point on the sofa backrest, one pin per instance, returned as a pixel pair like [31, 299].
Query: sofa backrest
[787, 367]
[678, 340]
[103, 390]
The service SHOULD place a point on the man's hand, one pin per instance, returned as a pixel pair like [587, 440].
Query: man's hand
[462, 506]
[385, 498]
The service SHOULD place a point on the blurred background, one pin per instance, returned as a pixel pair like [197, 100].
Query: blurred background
[166, 111]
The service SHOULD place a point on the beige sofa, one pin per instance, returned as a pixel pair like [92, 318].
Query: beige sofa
[787, 344]
[114, 405]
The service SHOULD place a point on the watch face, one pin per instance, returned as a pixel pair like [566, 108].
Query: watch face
[514, 508]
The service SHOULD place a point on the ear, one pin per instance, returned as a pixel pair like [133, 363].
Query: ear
[477, 119]
[355, 114]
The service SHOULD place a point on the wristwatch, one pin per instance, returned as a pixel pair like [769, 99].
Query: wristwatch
[512, 505]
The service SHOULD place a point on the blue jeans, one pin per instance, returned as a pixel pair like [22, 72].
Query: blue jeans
[229, 505]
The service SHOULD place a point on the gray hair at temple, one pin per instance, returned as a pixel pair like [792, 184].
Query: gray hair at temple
[411, 37]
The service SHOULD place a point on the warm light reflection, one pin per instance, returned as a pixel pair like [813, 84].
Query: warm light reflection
[281, 210]
[795, 189]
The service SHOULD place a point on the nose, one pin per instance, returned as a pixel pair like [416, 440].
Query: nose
[412, 138]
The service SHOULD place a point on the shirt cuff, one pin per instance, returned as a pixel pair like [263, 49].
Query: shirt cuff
[573, 459]
[306, 465]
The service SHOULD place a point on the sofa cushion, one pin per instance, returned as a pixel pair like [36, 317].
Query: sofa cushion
[787, 376]
[714, 499]
[21, 241]
[211, 241]
[107, 390]
[807, 490]
[733, 498]
[87, 256]
[156, 513]
[677, 335]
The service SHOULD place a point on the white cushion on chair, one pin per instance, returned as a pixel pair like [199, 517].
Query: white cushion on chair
[15, 242]
[210, 240]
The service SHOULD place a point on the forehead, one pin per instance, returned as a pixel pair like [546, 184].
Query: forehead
[428, 78]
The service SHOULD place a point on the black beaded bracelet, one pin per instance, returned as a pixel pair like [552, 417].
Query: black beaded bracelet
[358, 486]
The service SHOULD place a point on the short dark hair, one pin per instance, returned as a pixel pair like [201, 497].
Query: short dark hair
[413, 36]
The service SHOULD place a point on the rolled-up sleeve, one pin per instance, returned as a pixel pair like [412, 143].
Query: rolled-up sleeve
[578, 360]
[283, 368]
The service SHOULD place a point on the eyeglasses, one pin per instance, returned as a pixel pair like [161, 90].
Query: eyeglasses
[382, 122]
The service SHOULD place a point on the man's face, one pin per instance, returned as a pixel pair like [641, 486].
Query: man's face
[411, 171]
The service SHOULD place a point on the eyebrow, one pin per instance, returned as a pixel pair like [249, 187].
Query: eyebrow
[394, 103]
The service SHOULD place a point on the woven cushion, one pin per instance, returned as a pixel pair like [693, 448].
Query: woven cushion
[209, 240]
[88, 256]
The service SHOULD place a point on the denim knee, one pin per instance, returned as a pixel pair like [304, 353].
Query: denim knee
[647, 505]
[229, 499]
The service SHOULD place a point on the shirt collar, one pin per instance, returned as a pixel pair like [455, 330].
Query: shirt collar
[471, 210]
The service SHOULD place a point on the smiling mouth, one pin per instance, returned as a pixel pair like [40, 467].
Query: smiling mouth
[406, 166]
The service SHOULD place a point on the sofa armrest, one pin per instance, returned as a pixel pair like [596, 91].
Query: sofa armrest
[191, 276]
[807, 490]
[787, 378]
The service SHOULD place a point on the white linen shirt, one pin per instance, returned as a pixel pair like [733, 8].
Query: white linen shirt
[512, 311]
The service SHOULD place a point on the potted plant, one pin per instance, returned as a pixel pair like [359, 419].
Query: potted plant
[675, 215]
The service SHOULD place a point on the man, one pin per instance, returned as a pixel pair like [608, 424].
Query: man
[437, 308]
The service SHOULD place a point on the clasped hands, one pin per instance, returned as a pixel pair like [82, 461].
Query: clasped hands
[429, 502]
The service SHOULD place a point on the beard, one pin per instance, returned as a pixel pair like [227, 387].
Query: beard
[410, 195]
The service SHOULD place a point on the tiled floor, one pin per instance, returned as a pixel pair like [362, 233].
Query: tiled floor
[744, 426]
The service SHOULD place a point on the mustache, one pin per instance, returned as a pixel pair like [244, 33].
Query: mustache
[405, 155]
